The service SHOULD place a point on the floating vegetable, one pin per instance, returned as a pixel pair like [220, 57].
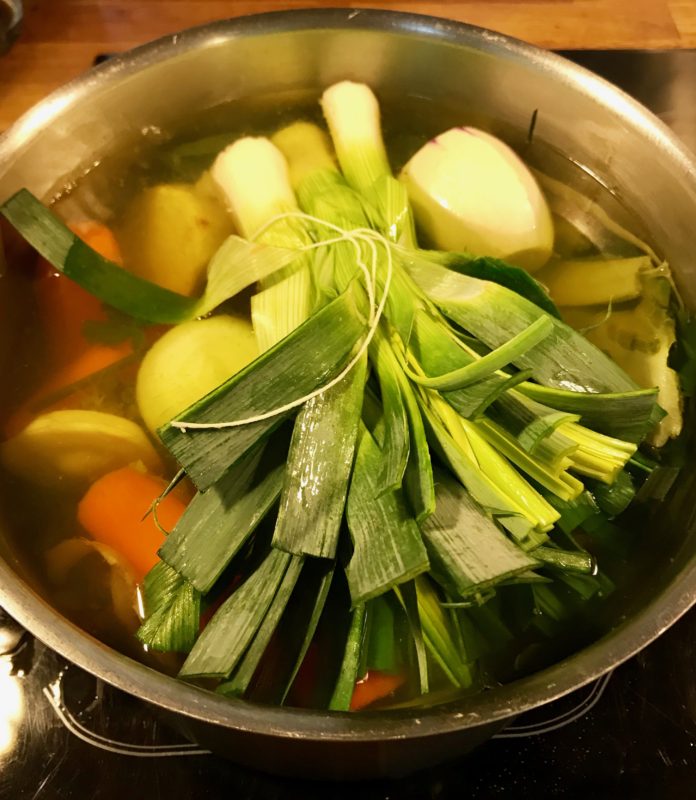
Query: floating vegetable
[471, 193]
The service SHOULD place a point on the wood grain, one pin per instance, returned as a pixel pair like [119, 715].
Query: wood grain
[61, 37]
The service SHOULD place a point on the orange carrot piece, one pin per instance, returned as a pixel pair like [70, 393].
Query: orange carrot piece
[99, 238]
[63, 305]
[63, 308]
[112, 512]
[373, 687]
[97, 357]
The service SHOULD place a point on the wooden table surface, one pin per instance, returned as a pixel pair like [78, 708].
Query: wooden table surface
[61, 37]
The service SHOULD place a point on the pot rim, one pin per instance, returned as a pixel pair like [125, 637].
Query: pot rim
[615, 647]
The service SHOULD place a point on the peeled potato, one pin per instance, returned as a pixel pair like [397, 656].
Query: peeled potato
[471, 193]
[170, 232]
[76, 446]
[188, 362]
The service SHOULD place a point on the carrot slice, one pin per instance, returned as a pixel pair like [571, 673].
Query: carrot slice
[112, 512]
[373, 687]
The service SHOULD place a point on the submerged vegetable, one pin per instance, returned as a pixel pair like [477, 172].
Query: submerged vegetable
[640, 339]
[116, 512]
[596, 281]
[472, 193]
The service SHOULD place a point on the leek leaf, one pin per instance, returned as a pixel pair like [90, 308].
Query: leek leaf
[561, 484]
[237, 264]
[409, 600]
[281, 308]
[438, 351]
[490, 479]
[396, 554]
[574, 513]
[419, 485]
[566, 560]
[298, 364]
[486, 365]
[318, 469]
[624, 415]
[172, 611]
[390, 210]
[105, 280]
[468, 552]
[217, 523]
[233, 626]
[538, 429]
[617, 497]
[247, 667]
[311, 627]
[382, 642]
[497, 271]
[439, 637]
[494, 314]
[348, 675]
[395, 441]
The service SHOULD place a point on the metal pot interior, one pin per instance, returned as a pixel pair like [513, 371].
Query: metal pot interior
[442, 70]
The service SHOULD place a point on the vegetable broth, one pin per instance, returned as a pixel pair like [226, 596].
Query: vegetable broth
[40, 519]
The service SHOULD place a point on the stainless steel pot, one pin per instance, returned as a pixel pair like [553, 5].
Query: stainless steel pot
[407, 56]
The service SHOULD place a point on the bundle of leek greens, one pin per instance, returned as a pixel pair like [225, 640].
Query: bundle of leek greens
[398, 477]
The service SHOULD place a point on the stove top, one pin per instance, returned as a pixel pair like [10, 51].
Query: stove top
[65, 734]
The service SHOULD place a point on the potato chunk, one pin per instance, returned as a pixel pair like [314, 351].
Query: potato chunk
[170, 232]
[76, 446]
